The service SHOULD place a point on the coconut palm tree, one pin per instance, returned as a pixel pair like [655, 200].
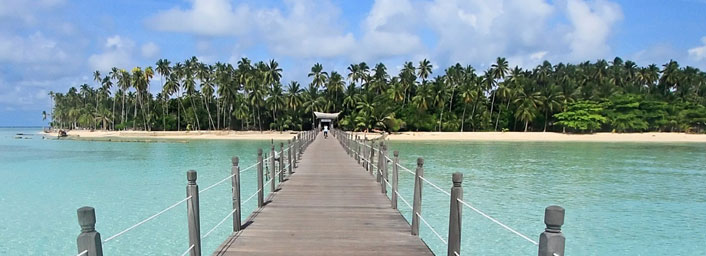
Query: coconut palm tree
[424, 70]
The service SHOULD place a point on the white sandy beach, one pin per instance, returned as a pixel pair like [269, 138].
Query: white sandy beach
[404, 136]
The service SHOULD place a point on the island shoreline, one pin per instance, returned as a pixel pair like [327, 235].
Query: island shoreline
[663, 137]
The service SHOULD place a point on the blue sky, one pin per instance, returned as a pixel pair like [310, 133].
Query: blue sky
[51, 45]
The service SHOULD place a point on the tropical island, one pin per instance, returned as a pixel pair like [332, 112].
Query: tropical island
[591, 97]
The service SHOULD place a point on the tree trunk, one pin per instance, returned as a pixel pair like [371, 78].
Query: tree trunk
[545, 120]
[208, 110]
[497, 120]
[473, 113]
[463, 116]
[526, 123]
[492, 104]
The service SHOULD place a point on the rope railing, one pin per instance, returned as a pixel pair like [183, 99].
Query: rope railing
[431, 228]
[497, 222]
[146, 220]
[552, 241]
[89, 244]
[188, 250]
[225, 179]
[228, 216]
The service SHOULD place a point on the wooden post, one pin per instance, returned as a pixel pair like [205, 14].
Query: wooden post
[235, 171]
[260, 189]
[89, 240]
[383, 167]
[371, 164]
[417, 204]
[301, 145]
[192, 209]
[273, 170]
[294, 151]
[552, 241]
[357, 146]
[289, 156]
[379, 165]
[455, 215]
[395, 175]
[281, 162]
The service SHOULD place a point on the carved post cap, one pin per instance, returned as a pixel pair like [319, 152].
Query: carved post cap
[384, 146]
[235, 160]
[281, 144]
[457, 179]
[420, 162]
[259, 151]
[191, 177]
[396, 153]
[554, 218]
[87, 218]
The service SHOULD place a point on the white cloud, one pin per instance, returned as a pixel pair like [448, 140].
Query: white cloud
[698, 53]
[118, 53]
[593, 22]
[150, 50]
[206, 18]
[389, 31]
[36, 48]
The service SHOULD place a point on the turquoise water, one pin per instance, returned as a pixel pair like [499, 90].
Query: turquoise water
[620, 198]
[45, 181]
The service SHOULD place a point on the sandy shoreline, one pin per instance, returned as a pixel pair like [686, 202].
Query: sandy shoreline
[176, 135]
[404, 136]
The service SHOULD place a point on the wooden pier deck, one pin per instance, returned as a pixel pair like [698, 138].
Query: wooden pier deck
[330, 206]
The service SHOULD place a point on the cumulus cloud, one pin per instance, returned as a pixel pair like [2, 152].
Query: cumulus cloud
[117, 53]
[593, 22]
[698, 53]
[149, 50]
[32, 49]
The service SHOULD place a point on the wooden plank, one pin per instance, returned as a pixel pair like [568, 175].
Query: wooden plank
[330, 206]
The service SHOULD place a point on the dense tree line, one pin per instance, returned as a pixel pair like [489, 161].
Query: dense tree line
[587, 97]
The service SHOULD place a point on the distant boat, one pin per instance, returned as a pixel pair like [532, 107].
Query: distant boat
[62, 134]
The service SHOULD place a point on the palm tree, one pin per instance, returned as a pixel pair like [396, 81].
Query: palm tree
[335, 88]
[424, 70]
[319, 76]
[528, 104]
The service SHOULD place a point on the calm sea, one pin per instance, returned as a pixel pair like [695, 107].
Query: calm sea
[620, 198]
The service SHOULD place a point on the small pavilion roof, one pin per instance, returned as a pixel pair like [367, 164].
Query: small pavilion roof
[321, 115]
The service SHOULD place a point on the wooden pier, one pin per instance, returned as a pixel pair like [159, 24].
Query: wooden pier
[328, 197]
[330, 206]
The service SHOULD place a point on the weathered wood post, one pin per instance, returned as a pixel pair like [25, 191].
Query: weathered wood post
[552, 241]
[301, 146]
[417, 204]
[192, 209]
[455, 215]
[273, 170]
[379, 165]
[395, 175]
[281, 162]
[289, 156]
[372, 157]
[89, 240]
[260, 185]
[235, 180]
[357, 146]
[294, 150]
[383, 167]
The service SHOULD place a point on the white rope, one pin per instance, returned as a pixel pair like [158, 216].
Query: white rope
[225, 179]
[455, 253]
[432, 228]
[84, 252]
[146, 220]
[388, 159]
[250, 167]
[435, 186]
[497, 222]
[403, 200]
[405, 169]
[188, 250]
[219, 224]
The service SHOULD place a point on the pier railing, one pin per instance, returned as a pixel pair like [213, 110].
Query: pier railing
[279, 163]
[365, 151]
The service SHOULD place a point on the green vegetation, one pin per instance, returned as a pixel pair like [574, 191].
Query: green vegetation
[589, 97]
